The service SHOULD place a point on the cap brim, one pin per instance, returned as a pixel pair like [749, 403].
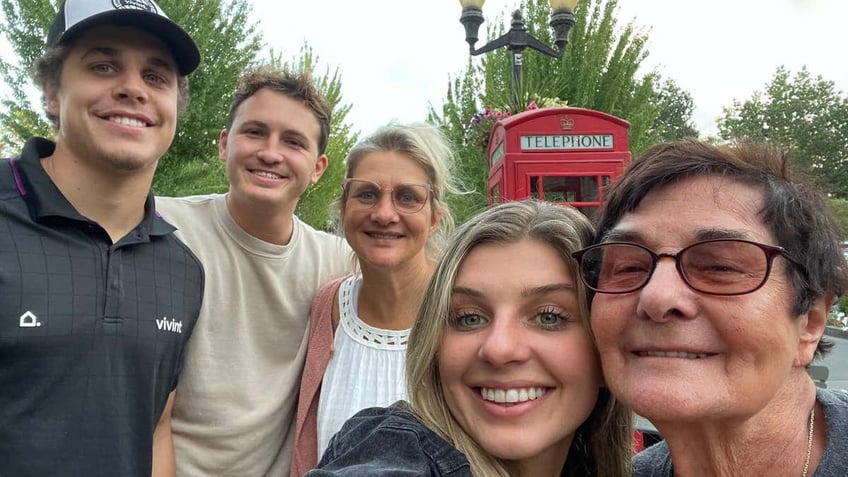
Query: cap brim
[182, 46]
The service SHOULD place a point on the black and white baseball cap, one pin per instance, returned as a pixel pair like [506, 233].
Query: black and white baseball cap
[75, 16]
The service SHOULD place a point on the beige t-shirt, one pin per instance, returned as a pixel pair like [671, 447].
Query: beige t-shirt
[236, 399]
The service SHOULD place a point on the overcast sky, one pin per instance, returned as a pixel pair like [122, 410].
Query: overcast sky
[395, 56]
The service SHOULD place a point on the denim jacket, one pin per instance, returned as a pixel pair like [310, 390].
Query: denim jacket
[389, 441]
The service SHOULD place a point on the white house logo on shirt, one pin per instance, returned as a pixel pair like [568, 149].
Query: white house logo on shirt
[171, 325]
[29, 320]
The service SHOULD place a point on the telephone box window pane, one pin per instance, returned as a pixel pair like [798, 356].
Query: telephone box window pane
[498, 153]
[570, 189]
[496, 195]
[534, 187]
[589, 189]
[558, 189]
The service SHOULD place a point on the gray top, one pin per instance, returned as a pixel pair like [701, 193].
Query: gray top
[655, 461]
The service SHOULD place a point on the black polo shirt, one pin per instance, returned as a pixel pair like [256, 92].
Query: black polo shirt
[91, 333]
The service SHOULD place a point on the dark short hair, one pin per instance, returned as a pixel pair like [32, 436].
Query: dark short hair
[795, 211]
[297, 85]
[47, 74]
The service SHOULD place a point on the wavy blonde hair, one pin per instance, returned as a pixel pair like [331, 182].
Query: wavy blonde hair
[601, 445]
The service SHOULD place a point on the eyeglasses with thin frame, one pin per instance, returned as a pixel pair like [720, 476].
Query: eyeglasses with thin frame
[406, 198]
[717, 267]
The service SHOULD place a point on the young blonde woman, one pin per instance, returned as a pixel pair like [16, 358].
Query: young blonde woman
[395, 218]
[502, 372]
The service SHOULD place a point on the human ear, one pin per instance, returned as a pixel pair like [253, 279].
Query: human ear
[51, 100]
[320, 167]
[811, 325]
[435, 219]
[222, 145]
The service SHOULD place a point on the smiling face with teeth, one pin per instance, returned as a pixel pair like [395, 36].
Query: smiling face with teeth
[271, 154]
[517, 364]
[116, 100]
[381, 236]
[677, 355]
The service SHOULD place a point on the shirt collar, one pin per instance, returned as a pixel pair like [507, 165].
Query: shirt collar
[45, 200]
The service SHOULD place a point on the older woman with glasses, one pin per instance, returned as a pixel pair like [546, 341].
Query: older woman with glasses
[395, 218]
[713, 273]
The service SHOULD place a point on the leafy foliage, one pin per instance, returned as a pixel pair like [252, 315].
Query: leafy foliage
[25, 26]
[600, 70]
[480, 127]
[471, 169]
[229, 44]
[804, 114]
[676, 109]
[840, 210]
[314, 206]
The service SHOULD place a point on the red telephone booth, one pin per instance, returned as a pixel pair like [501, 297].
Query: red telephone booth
[563, 155]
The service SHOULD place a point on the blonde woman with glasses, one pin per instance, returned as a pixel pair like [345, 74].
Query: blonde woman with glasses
[394, 216]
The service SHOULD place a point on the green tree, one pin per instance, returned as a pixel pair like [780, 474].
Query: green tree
[804, 114]
[840, 209]
[600, 70]
[314, 206]
[675, 112]
[228, 43]
[470, 168]
[24, 26]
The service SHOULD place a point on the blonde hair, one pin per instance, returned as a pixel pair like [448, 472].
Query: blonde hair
[602, 445]
[429, 148]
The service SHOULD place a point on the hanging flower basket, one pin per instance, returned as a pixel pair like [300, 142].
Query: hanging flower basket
[481, 124]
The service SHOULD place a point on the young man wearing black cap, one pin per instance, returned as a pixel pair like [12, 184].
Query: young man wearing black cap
[97, 296]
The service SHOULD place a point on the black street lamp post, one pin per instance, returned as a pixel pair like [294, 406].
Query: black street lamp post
[517, 39]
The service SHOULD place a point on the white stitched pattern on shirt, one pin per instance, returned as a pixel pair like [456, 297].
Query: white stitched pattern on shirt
[358, 329]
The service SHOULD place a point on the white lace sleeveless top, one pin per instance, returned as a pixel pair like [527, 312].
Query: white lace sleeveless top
[366, 369]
